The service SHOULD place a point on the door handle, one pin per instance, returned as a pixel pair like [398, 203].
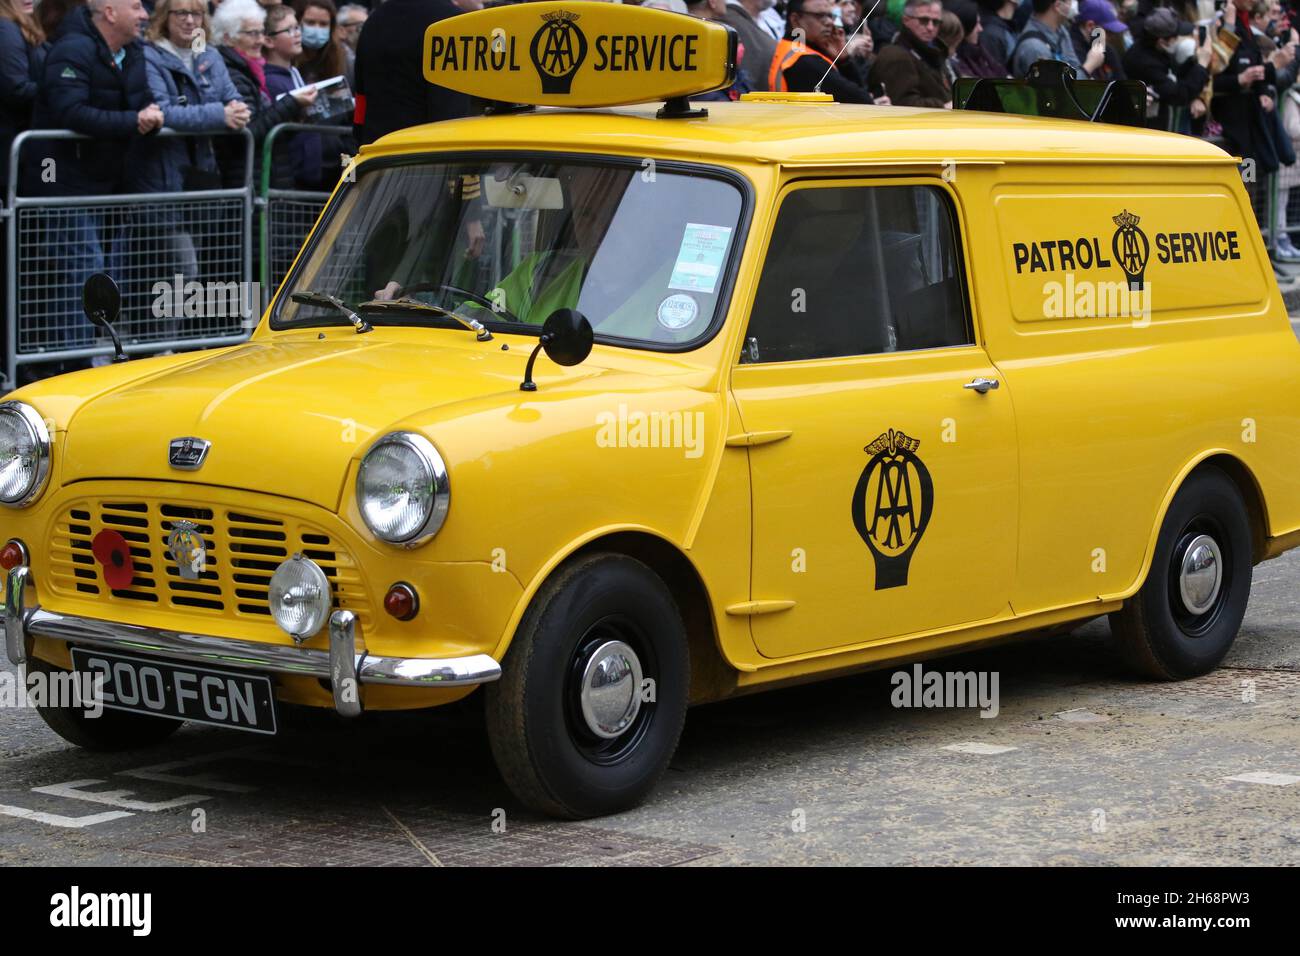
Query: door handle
[982, 385]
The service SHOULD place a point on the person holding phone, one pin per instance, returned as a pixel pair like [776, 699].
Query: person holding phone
[1153, 61]
[1244, 95]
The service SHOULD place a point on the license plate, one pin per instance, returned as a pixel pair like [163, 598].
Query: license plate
[165, 689]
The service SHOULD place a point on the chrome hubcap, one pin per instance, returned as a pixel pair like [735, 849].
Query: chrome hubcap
[1200, 574]
[611, 689]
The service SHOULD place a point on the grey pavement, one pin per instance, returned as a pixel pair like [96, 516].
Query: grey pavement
[1105, 769]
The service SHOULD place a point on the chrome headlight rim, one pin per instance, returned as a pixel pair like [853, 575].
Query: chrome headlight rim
[436, 469]
[41, 437]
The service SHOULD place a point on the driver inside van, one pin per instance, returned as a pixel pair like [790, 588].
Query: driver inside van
[550, 278]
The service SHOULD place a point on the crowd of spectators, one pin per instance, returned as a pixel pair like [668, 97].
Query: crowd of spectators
[118, 71]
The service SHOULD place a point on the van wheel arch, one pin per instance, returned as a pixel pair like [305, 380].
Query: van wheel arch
[712, 678]
[1251, 495]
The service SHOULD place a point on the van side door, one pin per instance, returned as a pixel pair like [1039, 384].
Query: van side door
[883, 454]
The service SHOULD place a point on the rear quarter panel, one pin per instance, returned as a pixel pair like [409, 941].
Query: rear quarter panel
[1115, 400]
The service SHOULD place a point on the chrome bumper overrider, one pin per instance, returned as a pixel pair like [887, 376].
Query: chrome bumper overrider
[341, 665]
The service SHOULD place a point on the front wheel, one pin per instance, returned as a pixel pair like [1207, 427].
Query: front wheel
[593, 691]
[112, 730]
[1187, 614]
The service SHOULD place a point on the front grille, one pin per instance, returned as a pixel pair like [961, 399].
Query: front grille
[244, 547]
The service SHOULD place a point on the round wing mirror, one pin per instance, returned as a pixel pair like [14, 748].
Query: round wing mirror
[101, 299]
[567, 337]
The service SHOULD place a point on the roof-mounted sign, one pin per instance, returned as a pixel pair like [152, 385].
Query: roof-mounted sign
[579, 54]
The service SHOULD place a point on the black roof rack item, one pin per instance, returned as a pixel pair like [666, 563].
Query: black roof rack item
[1050, 89]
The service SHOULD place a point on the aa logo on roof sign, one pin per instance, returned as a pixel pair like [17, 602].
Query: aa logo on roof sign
[583, 54]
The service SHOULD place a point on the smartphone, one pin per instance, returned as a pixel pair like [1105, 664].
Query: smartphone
[1201, 31]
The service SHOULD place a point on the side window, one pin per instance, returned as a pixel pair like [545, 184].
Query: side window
[858, 270]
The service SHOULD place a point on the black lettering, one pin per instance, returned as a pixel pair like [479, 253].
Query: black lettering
[435, 50]
[602, 55]
[1232, 245]
[1162, 247]
[1176, 247]
[1049, 246]
[480, 53]
[690, 53]
[1220, 246]
[1066, 248]
[632, 44]
[514, 64]
[1020, 252]
[1084, 251]
[673, 44]
[465, 43]
[1202, 243]
[1102, 261]
[1036, 263]
[615, 54]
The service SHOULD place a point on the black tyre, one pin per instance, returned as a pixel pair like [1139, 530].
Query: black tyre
[1187, 614]
[570, 729]
[111, 730]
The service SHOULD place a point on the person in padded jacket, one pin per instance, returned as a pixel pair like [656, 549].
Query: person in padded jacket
[191, 84]
[22, 57]
[238, 27]
[94, 83]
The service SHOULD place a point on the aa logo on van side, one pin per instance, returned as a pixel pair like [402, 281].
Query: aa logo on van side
[1129, 249]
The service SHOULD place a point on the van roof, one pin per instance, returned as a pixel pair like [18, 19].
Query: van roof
[812, 134]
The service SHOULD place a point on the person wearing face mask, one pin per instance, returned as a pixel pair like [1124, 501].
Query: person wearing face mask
[322, 56]
[1047, 37]
[1162, 60]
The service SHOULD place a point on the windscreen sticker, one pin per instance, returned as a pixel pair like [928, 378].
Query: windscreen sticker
[700, 258]
[678, 311]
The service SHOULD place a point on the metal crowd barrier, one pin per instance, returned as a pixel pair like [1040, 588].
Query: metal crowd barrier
[145, 241]
[287, 215]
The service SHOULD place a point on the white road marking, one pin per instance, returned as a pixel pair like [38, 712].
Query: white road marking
[115, 798]
[1266, 776]
[163, 773]
[56, 820]
[972, 747]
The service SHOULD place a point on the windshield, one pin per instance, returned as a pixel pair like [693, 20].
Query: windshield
[642, 252]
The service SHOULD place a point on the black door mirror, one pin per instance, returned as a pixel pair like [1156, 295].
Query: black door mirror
[102, 302]
[566, 337]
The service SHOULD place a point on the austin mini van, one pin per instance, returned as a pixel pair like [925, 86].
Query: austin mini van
[604, 412]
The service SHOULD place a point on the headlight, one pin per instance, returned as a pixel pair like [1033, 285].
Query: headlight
[402, 489]
[300, 597]
[24, 454]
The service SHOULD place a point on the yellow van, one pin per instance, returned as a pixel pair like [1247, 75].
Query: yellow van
[616, 410]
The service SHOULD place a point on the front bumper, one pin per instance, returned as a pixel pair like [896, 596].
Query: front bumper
[341, 665]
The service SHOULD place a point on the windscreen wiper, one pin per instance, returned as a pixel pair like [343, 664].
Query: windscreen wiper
[410, 305]
[325, 300]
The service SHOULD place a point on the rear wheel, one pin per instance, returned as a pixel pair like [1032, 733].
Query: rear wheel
[1187, 614]
[593, 691]
[111, 730]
